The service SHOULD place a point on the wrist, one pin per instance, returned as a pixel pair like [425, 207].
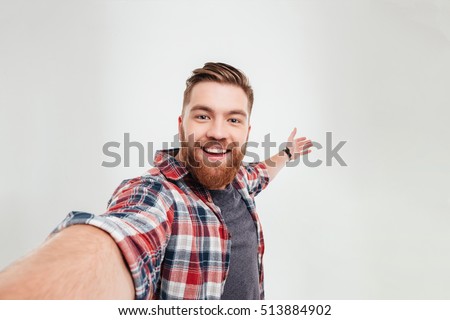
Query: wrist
[288, 153]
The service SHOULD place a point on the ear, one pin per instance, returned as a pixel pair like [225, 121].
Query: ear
[180, 125]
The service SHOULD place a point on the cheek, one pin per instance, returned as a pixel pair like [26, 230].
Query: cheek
[191, 129]
[189, 134]
[241, 137]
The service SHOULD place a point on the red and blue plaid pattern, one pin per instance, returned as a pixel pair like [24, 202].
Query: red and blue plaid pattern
[171, 234]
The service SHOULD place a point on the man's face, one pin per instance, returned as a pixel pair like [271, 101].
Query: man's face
[213, 132]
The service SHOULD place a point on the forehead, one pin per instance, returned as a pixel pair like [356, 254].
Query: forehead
[219, 97]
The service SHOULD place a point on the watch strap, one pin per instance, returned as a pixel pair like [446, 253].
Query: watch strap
[286, 150]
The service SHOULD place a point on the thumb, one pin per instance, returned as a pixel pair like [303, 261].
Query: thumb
[293, 133]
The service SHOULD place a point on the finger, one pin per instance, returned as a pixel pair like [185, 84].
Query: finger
[303, 143]
[308, 145]
[292, 135]
[305, 152]
[305, 146]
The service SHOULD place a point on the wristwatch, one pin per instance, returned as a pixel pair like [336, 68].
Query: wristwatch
[288, 153]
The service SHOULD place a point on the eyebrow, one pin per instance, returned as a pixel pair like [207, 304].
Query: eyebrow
[210, 110]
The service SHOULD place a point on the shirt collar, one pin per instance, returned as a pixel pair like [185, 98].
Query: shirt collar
[173, 169]
[170, 167]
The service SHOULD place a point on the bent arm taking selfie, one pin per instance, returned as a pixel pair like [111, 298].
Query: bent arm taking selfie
[187, 228]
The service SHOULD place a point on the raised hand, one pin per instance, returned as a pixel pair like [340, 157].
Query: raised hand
[298, 146]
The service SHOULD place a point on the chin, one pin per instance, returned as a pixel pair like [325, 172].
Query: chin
[215, 178]
[216, 174]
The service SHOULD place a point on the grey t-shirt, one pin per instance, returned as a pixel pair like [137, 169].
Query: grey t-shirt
[242, 282]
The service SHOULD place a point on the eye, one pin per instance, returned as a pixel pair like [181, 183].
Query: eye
[202, 117]
[234, 120]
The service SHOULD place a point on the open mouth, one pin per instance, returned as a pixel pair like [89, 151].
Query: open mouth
[215, 152]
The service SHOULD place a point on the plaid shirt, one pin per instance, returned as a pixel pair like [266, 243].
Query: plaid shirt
[171, 234]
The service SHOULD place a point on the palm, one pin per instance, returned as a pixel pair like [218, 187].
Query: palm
[298, 146]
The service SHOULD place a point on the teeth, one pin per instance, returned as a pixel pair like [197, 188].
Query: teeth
[217, 151]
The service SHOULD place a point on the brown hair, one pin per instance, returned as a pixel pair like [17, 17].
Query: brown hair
[221, 73]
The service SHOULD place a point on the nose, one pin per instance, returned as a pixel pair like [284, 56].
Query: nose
[217, 131]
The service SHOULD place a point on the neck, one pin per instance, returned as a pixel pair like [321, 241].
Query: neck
[220, 188]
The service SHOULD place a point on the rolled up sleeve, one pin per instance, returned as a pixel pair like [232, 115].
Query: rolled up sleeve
[139, 219]
[257, 177]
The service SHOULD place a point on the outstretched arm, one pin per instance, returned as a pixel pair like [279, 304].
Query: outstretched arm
[297, 147]
[80, 262]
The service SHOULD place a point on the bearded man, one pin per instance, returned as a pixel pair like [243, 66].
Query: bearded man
[186, 229]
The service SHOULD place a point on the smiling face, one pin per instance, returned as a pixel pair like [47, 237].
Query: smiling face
[213, 131]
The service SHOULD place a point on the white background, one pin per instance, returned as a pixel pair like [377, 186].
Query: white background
[77, 74]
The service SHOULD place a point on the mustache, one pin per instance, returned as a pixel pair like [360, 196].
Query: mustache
[229, 146]
[224, 144]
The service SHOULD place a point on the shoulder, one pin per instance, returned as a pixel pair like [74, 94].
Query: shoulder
[254, 176]
[250, 171]
[150, 189]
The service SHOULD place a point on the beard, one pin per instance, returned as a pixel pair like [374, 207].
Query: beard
[211, 174]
